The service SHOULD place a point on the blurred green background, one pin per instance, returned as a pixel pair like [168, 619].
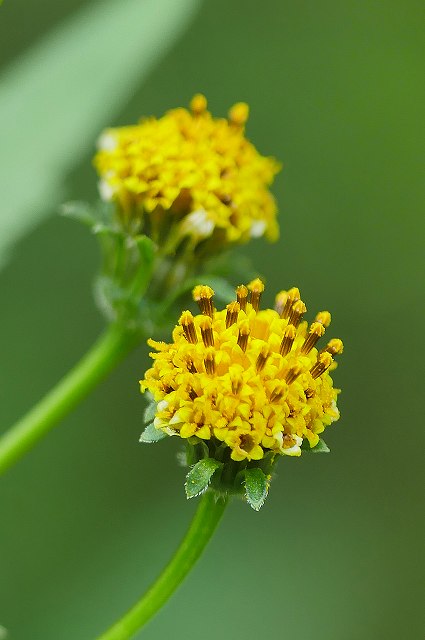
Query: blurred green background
[90, 516]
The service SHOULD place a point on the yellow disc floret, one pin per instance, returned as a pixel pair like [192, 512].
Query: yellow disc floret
[190, 174]
[249, 378]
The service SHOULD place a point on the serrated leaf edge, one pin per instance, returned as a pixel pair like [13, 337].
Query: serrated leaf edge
[264, 498]
[195, 495]
[162, 435]
[324, 447]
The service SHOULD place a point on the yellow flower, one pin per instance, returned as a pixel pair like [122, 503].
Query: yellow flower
[189, 174]
[248, 378]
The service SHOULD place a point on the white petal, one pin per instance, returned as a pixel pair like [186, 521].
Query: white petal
[291, 451]
[335, 408]
[105, 190]
[106, 141]
[257, 228]
[197, 224]
[170, 432]
[175, 419]
[295, 450]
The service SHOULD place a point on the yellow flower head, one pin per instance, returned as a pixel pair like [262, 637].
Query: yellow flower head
[189, 174]
[248, 378]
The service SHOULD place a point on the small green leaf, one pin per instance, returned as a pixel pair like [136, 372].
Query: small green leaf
[152, 434]
[199, 477]
[256, 487]
[80, 211]
[149, 412]
[182, 458]
[231, 263]
[147, 248]
[105, 228]
[321, 447]
[222, 289]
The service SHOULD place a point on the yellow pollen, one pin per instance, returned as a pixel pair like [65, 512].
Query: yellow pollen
[256, 288]
[239, 113]
[237, 383]
[242, 296]
[289, 336]
[296, 313]
[254, 387]
[292, 297]
[293, 374]
[186, 321]
[262, 358]
[203, 295]
[335, 346]
[244, 332]
[198, 104]
[206, 331]
[190, 366]
[288, 441]
[277, 393]
[324, 317]
[316, 331]
[209, 361]
[246, 442]
[324, 362]
[232, 313]
[192, 393]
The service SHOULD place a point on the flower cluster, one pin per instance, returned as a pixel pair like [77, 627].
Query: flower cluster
[188, 174]
[251, 379]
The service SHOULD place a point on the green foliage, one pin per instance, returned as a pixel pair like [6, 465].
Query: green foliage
[199, 477]
[149, 412]
[151, 434]
[145, 263]
[222, 289]
[321, 447]
[81, 211]
[233, 266]
[135, 286]
[256, 487]
[128, 261]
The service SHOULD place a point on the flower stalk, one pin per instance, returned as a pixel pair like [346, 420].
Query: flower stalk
[112, 346]
[201, 529]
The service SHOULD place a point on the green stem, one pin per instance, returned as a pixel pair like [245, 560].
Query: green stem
[107, 351]
[207, 516]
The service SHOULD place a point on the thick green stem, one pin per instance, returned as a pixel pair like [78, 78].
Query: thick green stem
[109, 349]
[202, 527]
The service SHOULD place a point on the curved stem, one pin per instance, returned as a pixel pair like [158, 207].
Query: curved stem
[202, 527]
[107, 351]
